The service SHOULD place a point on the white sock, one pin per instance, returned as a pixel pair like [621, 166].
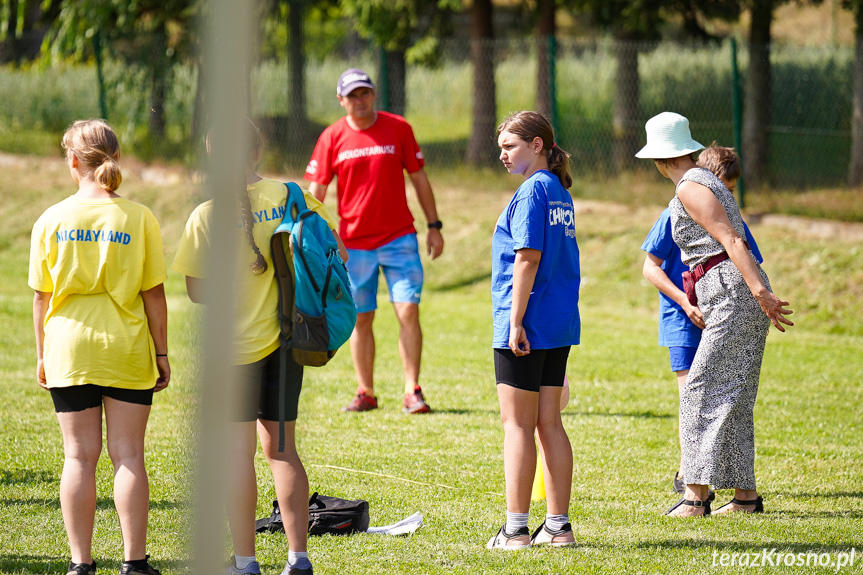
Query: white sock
[556, 522]
[242, 562]
[299, 559]
[515, 521]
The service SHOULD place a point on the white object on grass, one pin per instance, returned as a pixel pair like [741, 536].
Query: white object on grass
[404, 527]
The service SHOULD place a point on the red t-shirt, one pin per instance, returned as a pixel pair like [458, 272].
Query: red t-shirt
[369, 165]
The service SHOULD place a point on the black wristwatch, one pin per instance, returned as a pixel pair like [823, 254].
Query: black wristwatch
[435, 225]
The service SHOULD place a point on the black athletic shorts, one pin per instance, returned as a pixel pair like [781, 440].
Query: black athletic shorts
[541, 367]
[81, 397]
[260, 394]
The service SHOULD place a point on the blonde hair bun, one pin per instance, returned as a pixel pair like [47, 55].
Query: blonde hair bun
[95, 145]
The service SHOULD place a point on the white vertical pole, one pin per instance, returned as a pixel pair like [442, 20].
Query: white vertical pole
[227, 46]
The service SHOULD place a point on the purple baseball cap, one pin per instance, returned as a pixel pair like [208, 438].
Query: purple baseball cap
[352, 79]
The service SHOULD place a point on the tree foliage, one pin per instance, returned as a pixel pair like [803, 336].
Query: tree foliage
[155, 34]
[482, 147]
[23, 25]
[414, 27]
[128, 25]
[407, 31]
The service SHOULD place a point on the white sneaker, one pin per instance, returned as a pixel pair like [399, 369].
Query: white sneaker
[252, 568]
[563, 537]
[503, 540]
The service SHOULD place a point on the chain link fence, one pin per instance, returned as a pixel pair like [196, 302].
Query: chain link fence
[603, 93]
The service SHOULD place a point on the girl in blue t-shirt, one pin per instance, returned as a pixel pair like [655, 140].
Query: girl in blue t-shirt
[535, 281]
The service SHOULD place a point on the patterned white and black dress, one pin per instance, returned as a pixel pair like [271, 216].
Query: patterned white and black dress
[717, 401]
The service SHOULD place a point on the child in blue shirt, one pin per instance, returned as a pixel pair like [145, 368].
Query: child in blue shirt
[535, 281]
[680, 323]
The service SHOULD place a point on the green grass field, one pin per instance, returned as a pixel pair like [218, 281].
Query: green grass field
[448, 465]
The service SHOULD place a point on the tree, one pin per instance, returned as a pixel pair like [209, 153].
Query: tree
[546, 29]
[482, 149]
[284, 27]
[406, 31]
[632, 23]
[757, 97]
[629, 23]
[855, 167]
[298, 118]
[26, 23]
[155, 34]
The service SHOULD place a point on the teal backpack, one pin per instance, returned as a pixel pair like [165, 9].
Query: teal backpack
[316, 308]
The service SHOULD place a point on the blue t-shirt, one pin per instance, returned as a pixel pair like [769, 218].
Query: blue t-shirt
[540, 216]
[675, 329]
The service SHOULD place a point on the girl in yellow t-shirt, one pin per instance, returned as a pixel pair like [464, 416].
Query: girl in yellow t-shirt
[256, 350]
[100, 316]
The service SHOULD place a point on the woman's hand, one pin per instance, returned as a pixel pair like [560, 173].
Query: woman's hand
[694, 314]
[164, 368]
[518, 342]
[774, 308]
[40, 373]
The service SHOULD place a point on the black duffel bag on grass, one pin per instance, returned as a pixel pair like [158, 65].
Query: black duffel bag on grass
[326, 515]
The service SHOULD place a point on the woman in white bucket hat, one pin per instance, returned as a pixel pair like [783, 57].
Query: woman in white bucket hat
[738, 306]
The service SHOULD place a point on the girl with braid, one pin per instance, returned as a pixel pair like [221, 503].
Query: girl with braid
[256, 349]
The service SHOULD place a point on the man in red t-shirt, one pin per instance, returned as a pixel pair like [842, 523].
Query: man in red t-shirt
[368, 152]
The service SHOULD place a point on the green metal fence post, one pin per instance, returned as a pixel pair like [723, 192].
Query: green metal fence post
[100, 77]
[384, 82]
[552, 81]
[737, 122]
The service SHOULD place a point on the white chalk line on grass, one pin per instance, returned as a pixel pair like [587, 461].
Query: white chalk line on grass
[405, 479]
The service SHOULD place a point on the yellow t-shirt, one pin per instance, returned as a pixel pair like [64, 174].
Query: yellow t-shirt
[257, 296]
[95, 257]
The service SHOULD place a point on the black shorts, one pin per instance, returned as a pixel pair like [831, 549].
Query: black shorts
[541, 367]
[260, 393]
[81, 397]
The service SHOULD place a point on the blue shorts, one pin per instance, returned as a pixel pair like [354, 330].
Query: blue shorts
[681, 357]
[400, 262]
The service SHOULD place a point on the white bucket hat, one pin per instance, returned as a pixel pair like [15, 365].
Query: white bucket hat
[668, 136]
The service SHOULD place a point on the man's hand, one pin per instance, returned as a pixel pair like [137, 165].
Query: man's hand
[434, 242]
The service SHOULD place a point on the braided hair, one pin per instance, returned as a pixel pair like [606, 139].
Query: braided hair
[259, 266]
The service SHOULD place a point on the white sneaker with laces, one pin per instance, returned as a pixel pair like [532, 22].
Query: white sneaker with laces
[560, 538]
[252, 568]
[510, 542]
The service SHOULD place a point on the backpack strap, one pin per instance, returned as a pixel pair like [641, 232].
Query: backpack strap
[294, 206]
[283, 369]
[296, 201]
